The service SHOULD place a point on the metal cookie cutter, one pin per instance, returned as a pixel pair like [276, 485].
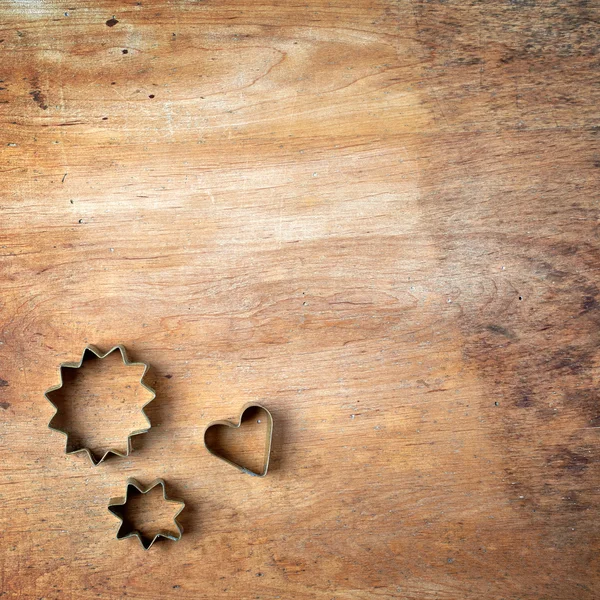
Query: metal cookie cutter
[76, 365]
[243, 469]
[116, 507]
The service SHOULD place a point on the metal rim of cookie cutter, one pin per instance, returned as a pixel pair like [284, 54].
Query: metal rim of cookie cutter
[233, 425]
[122, 501]
[76, 365]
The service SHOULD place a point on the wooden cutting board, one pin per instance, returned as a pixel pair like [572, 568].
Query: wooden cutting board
[377, 218]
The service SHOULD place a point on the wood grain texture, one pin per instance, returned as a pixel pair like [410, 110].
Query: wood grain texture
[377, 218]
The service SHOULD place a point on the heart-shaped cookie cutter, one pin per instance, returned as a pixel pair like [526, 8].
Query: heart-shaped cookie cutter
[267, 458]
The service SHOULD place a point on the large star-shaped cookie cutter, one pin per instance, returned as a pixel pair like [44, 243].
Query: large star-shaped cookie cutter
[115, 506]
[76, 365]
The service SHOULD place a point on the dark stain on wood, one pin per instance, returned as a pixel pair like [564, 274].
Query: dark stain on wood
[501, 331]
[567, 460]
[39, 98]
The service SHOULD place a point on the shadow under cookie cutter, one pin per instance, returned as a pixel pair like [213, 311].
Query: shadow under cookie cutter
[114, 505]
[76, 365]
[267, 457]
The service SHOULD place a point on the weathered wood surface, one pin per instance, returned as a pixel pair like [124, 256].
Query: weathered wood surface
[378, 218]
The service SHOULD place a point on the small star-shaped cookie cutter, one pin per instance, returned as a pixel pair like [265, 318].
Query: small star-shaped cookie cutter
[115, 506]
[76, 365]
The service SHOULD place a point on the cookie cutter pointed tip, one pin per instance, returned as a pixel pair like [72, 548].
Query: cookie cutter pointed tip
[146, 543]
[76, 365]
[267, 457]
